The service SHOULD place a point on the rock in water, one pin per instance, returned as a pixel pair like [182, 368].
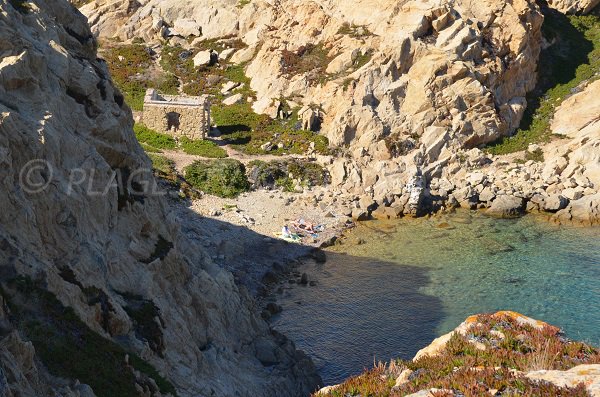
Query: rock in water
[505, 206]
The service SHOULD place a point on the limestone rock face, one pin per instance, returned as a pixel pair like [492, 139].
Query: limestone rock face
[574, 6]
[62, 121]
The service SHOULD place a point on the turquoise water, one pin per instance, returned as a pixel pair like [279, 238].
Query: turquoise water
[412, 281]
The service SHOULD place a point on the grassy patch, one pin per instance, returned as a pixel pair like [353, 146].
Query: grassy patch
[311, 59]
[471, 372]
[161, 163]
[68, 348]
[572, 59]
[537, 155]
[355, 31]
[206, 79]
[180, 62]
[203, 148]
[248, 131]
[223, 177]
[153, 139]
[243, 3]
[127, 64]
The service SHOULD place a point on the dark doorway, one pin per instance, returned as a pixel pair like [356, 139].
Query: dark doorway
[173, 121]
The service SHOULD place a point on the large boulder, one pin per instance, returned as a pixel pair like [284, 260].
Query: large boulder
[506, 206]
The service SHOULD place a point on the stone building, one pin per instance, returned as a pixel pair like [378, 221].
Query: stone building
[178, 116]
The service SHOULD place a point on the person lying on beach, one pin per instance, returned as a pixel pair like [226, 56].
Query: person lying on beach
[304, 225]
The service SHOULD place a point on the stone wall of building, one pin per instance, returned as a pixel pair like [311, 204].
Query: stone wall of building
[177, 116]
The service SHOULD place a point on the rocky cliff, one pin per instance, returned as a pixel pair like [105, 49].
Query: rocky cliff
[99, 285]
[435, 71]
[408, 93]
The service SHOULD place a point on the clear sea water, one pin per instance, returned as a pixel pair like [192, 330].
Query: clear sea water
[413, 280]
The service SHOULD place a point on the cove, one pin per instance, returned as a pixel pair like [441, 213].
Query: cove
[392, 287]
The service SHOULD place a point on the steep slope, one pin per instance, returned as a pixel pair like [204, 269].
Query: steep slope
[73, 235]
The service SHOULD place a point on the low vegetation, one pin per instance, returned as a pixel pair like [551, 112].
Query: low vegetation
[573, 58]
[170, 179]
[286, 174]
[222, 177]
[311, 59]
[153, 140]
[510, 350]
[162, 164]
[355, 31]
[69, 349]
[131, 68]
[203, 148]
[247, 131]
[205, 79]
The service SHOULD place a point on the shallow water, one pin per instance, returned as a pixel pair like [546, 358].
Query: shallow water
[414, 280]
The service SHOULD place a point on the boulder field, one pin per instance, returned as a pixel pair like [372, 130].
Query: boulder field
[407, 94]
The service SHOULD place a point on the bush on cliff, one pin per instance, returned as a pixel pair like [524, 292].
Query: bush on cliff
[223, 177]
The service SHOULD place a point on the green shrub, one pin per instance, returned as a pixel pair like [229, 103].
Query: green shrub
[354, 31]
[537, 155]
[282, 173]
[153, 138]
[203, 148]
[311, 58]
[286, 183]
[223, 177]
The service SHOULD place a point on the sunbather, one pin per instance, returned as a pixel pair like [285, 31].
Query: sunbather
[304, 225]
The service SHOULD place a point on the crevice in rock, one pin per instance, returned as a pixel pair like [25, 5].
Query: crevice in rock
[147, 321]
[161, 250]
[91, 110]
[81, 39]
